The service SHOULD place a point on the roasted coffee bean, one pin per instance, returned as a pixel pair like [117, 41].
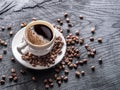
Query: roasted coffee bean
[10, 78]
[23, 24]
[92, 54]
[9, 27]
[10, 33]
[61, 23]
[66, 72]
[93, 30]
[15, 79]
[33, 78]
[75, 66]
[45, 81]
[4, 51]
[82, 73]
[5, 44]
[13, 59]
[89, 53]
[91, 38]
[100, 40]
[65, 15]
[2, 82]
[86, 46]
[67, 20]
[100, 61]
[81, 17]
[51, 84]
[50, 80]
[94, 51]
[84, 61]
[34, 19]
[59, 83]
[65, 78]
[71, 66]
[55, 76]
[22, 71]
[2, 28]
[58, 20]
[14, 75]
[81, 63]
[93, 68]
[77, 73]
[58, 78]
[69, 25]
[3, 77]
[77, 32]
[13, 70]
[1, 57]
[46, 86]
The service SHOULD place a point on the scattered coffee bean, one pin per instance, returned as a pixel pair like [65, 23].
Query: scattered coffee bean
[10, 33]
[58, 20]
[82, 73]
[59, 83]
[33, 78]
[66, 72]
[89, 53]
[34, 19]
[94, 51]
[68, 29]
[93, 68]
[67, 20]
[5, 44]
[65, 15]
[10, 78]
[100, 40]
[69, 25]
[81, 41]
[84, 61]
[1, 57]
[58, 78]
[3, 77]
[100, 61]
[81, 63]
[92, 54]
[15, 79]
[12, 59]
[93, 30]
[2, 28]
[61, 23]
[13, 70]
[4, 51]
[55, 76]
[51, 84]
[75, 66]
[65, 78]
[91, 38]
[50, 80]
[77, 32]
[45, 81]
[81, 17]
[46, 86]
[77, 73]
[22, 71]
[23, 24]
[2, 82]
[9, 27]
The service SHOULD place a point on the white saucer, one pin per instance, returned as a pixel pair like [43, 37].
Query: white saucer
[18, 39]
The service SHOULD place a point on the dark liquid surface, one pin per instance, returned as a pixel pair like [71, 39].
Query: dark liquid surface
[43, 31]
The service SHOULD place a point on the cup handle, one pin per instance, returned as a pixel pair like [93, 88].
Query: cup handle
[22, 47]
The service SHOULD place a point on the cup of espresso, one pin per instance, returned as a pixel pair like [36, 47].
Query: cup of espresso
[38, 38]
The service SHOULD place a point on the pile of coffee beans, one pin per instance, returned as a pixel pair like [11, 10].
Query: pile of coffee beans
[48, 59]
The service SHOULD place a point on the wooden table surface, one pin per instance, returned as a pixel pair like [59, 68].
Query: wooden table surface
[103, 14]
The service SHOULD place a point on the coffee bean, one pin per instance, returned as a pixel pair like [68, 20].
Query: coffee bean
[77, 32]
[81, 17]
[33, 78]
[65, 15]
[45, 81]
[13, 59]
[2, 82]
[93, 30]
[23, 24]
[50, 80]
[92, 54]
[59, 83]
[10, 78]
[15, 79]
[3, 77]
[46, 86]
[89, 53]
[2, 28]
[61, 23]
[100, 61]
[94, 51]
[86, 46]
[10, 33]
[65, 79]
[55, 76]
[9, 27]
[91, 38]
[4, 51]
[58, 78]
[1, 57]
[58, 20]
[77, 73]
[81, 63]
[51, 84]
[14, 75]
[82, 73]
[66, 72]
[69, 25]
[67, 20]
[5, 44]
[13, 70]
[93, 68]
[100, 40]
[68, 29]
[34, 19]
[22, 71]
[75, 66]
[85, 61]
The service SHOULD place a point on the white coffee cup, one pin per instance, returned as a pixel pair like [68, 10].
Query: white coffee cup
[39, 50]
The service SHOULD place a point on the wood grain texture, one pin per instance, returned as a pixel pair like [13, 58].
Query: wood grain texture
[103, 14]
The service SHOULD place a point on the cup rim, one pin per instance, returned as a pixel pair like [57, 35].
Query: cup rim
[43, 23]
